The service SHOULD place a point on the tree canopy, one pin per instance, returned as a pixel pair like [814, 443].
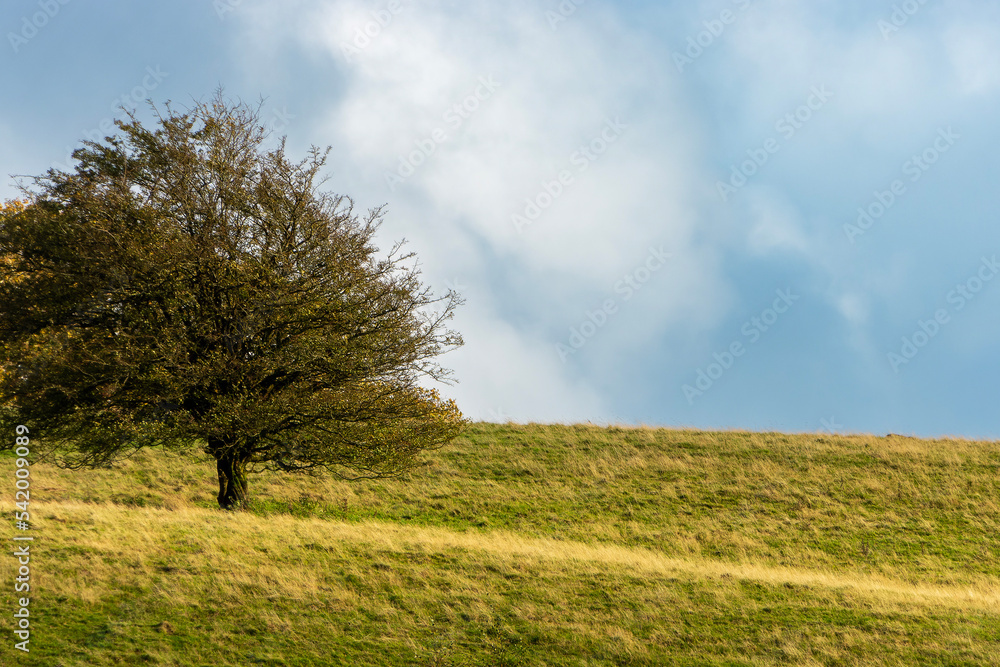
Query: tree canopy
[187, 284]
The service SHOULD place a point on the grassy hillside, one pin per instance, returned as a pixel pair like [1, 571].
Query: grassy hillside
[531, 545]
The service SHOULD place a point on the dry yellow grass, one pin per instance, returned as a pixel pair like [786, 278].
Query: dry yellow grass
[229, 546]
[560, 545]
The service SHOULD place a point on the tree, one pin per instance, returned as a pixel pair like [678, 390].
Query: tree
[185, 284]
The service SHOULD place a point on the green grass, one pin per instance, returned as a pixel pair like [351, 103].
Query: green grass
[531, 545]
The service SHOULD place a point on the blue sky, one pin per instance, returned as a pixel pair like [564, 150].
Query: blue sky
[742, 214]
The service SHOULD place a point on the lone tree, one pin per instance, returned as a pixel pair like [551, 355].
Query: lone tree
[185, 284]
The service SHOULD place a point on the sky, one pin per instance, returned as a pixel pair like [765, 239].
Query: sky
[753, 214]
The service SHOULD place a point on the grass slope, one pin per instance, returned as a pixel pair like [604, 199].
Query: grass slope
[531, 545]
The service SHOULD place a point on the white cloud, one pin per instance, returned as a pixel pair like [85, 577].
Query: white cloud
[531, 98]
[504, 374]
[781, 49]
[974, 53]
[775, 224]
[854, 308]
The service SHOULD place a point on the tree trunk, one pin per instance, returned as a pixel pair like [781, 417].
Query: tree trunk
[232, 481]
